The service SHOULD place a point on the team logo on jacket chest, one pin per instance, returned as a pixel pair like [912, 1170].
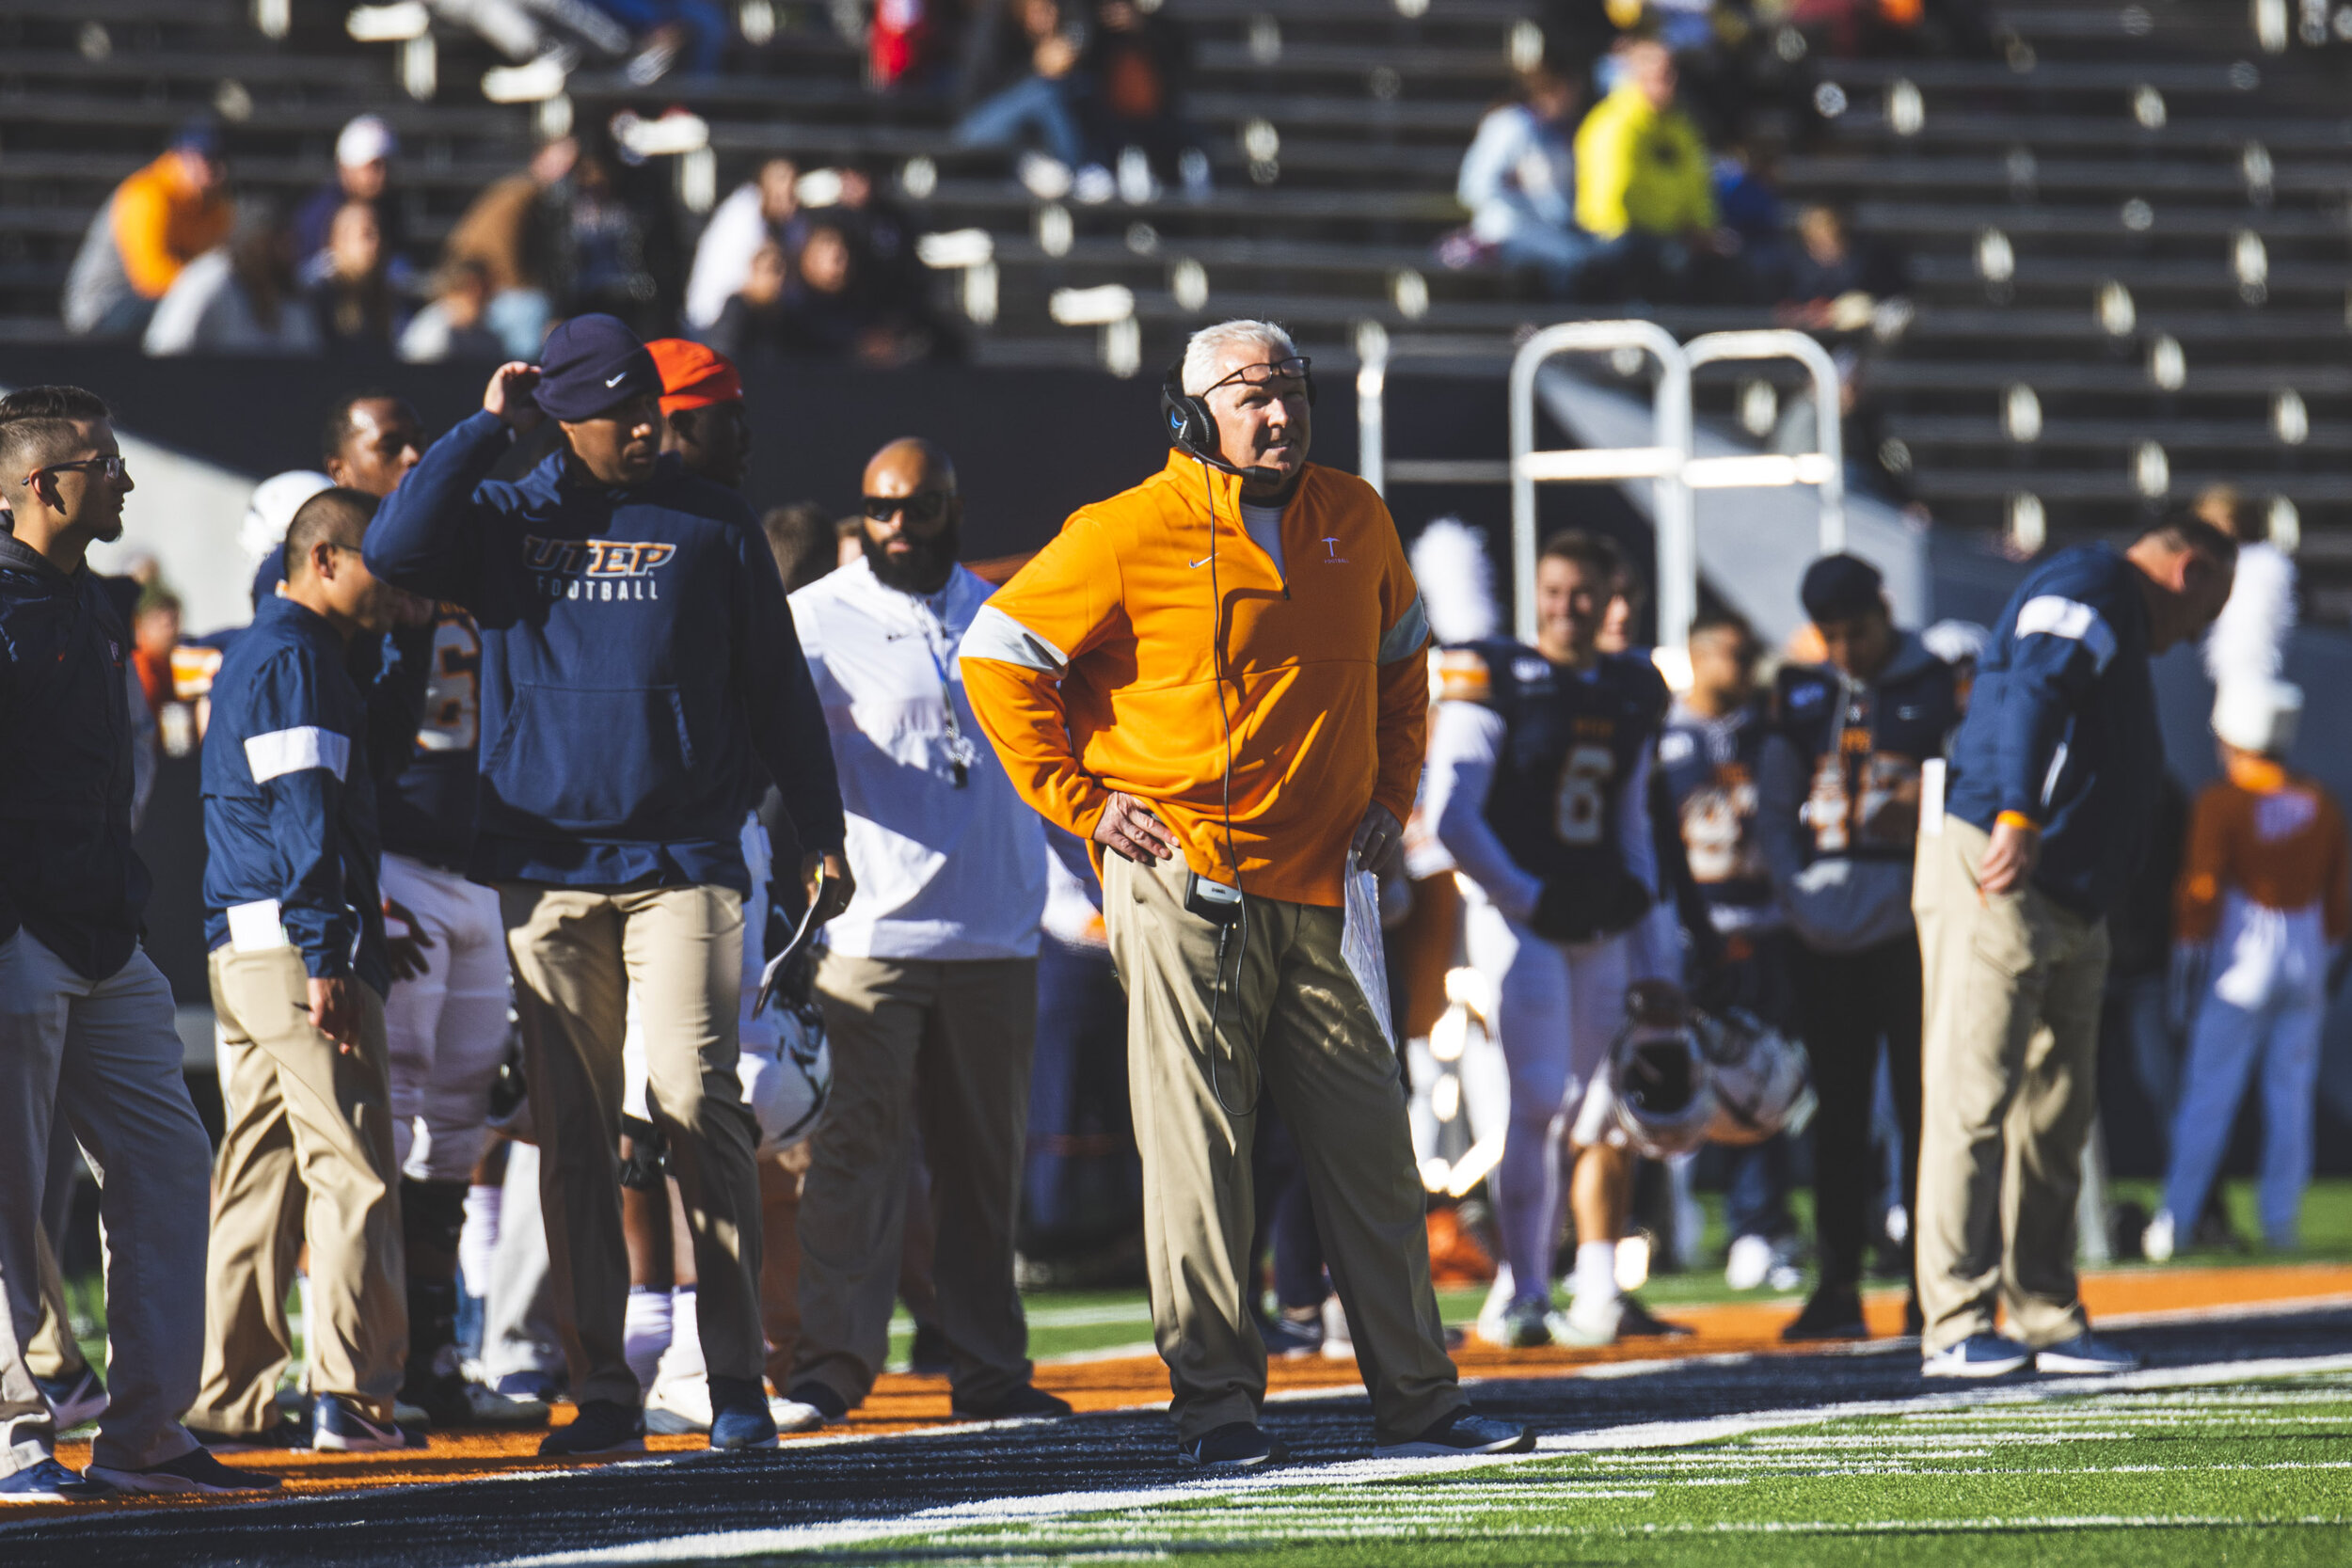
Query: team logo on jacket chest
[597, 569]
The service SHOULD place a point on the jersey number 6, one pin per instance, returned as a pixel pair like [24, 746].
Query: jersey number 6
[1584, 801]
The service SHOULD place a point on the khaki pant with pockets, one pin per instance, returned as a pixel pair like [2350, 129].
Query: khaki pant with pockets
[305, 1117]
[942, 1044]
[2007, 1092]
[1295, 1023]
[577, 953]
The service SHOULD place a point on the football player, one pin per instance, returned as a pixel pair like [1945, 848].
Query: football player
[1839, 802]
[1540, 774]
[1708, 758]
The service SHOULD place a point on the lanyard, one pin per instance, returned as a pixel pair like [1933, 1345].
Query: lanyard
[962, 753]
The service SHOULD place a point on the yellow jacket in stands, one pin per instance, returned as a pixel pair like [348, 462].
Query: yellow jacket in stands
[1097, 670]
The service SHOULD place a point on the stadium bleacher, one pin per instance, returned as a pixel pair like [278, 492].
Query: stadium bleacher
[2127, 230]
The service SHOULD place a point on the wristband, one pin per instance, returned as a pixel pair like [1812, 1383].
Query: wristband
[2017, 819]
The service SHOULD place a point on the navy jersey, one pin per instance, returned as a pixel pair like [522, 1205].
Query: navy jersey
[428, 795]
[1571, 743]
[1863, 746]
[1710, 769]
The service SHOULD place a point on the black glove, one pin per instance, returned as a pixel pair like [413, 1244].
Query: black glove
[1579, 908]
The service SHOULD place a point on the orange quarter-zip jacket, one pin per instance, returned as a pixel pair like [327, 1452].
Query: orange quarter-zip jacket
[1099, 668]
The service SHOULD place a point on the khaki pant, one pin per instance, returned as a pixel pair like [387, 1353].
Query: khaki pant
[576, 954]
[2007, 1092]
[105, 1055]
[308, 1152]
[1294, 1022]
[945, 1044]
[780, 1181]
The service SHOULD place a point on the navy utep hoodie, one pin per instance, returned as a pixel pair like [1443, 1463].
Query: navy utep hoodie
[68, 873]
[2062, 725]
[640, 672]
[290, 832]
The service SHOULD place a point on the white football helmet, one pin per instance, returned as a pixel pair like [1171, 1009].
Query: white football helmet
[788, 1083]
[1763, 1083]
[1659, 1084]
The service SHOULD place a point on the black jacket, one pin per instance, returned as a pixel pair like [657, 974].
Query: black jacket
[67, 874]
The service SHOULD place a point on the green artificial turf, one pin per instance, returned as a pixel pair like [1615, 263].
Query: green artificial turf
[2231, 1474]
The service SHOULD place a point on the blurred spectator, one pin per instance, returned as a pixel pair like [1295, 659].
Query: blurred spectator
[1833, 282]
[817, 307]
[352, 296]
[669, 31]
[1133, 72]
[156, 222]
[155, 632]
[1644, 184]
[881, 239]
[752, 325]
[848, 540]
[1518, 180]
[363, 153]
[756, 213]
[454, 324]
[237, 299]
[1749, 208]
[552, 31]
[800, 537]
[1856, 28]
[615, 231]
[1045, 102]
[905, 43]
[510, 230]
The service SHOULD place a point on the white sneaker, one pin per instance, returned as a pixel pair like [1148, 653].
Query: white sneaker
[680, 1404]
[1094, 185]
[1336, 1345]
[1587, 1325]
[792, 1416]
[1043, 176]
[2155, 1242]
[1750, 1263]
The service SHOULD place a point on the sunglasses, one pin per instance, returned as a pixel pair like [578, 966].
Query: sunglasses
[111, 465]
[924, 508]
[1294, 368]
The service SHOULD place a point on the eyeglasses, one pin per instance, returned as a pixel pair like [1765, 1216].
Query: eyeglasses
[1295, 368]
[922, 508]
[111, 465]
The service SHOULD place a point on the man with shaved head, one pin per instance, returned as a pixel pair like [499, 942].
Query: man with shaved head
[929, 982]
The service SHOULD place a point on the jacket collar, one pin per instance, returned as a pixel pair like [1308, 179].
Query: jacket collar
[298, 619]
[1185, 470]
[15, 552]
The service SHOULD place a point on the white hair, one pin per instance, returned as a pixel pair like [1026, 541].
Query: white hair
[1208, 345]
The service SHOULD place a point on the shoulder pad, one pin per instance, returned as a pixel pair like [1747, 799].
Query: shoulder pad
[1463, 675]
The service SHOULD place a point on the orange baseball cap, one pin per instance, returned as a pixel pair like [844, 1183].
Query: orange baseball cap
[692, 375]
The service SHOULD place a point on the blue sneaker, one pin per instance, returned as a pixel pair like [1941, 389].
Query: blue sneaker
[740, 1417]
[1980, 1355]
[1464, 1432]
[48, 1482]
[73, 1401]
[1235, 1446]
[338, 1425]
[2084, 1356]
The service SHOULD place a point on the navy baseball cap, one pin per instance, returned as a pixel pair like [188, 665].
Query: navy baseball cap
[201, 136]
[589, 364]
[1841, 587]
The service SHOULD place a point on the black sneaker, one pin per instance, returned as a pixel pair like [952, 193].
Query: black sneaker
[338, 1425]
[821, 1398]
[1235, 1446]
[1027, 1402]
[600, 1426]
[453, 1400]
[740, 1417]
[930, 1355]
[1288, 1339]
[1915, 1319]
[194, 1473]
[1634, 1321]
[73, 1401]
[1834, 1313]
[45, 1480]
[287, 1434]
[1464, 1432]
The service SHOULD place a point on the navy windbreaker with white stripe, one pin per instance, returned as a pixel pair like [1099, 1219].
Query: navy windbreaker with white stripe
[290, 825]
[2061, 726]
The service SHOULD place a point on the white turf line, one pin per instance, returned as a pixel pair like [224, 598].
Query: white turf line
[1646, 1435]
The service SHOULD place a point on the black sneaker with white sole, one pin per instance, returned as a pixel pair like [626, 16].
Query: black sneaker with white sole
[1235, 1446]
[45, 1480]
[287, 1434]
[1834, 1312]
[1027, 1402]
[195, 1473]
[338, 1425]
[1464, 1432]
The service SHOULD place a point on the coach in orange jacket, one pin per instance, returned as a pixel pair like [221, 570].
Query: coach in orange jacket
[1241, 592]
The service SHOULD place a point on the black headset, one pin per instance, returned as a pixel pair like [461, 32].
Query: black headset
[1191, 428]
